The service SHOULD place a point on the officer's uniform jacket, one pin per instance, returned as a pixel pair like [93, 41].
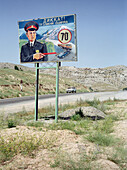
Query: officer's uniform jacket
[27, 52]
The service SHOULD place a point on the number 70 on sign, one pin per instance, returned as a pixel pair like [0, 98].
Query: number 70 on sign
[64, 36]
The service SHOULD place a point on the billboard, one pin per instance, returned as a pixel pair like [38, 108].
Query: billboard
[50, 39]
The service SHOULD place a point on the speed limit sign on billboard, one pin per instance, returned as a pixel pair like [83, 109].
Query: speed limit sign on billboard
[64, 36]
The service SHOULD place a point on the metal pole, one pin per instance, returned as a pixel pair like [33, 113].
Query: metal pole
[36, 92]
[57, 92]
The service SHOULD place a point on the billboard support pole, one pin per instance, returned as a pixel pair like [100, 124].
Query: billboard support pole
[36, 92]
[57, 92]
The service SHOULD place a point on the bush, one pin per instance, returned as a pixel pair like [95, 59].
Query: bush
[125, 88]
[16, 68]
[24, 144]
[94, 102]
[102, 139]
[90, 88]
[76, 117]
[80, 113]
[11, 123]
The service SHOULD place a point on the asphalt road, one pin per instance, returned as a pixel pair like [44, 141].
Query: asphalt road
[28, 103]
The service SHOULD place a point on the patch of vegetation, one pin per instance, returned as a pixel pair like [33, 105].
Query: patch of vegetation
[11, 78]
[105, 126]
[69, 125]
[8, 120]
[16, 67]
[11, 123]
[94, 102]
[119, 156]
[90, 88]
[65, 161]
[78, 115]
[97, 132]
[102, 139]
[24, 145]
[35, 124]
[97, 104]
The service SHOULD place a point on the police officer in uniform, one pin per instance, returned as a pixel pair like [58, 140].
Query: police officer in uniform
[33, 51]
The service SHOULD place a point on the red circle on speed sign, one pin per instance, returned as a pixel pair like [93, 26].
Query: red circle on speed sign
[64, 36]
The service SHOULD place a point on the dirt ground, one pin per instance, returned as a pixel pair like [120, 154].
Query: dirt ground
[67, 145]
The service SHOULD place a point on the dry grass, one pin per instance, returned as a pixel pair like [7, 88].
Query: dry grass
[67, 144]
[10, 83]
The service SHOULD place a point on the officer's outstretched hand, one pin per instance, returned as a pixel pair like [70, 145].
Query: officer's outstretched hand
[38, 56]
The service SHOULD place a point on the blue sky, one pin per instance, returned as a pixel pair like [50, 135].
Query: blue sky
[101, 28]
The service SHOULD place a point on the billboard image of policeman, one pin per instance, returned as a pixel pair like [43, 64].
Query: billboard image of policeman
[48, 39]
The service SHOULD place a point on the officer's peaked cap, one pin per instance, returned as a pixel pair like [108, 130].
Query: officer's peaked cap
[31, 25]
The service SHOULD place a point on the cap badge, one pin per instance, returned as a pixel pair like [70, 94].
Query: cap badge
[37, 51]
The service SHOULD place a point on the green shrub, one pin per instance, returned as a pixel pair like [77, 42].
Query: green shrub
[65, 161]
[94, 102]
[80, 113]
[76, 117]
[119, 157]
[102, 139]
[90, 88]
[35, 124]
[24, 145]
[105, 126]
[16, 68]
[11, 123]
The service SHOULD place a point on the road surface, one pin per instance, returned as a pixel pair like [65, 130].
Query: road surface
[28, 103]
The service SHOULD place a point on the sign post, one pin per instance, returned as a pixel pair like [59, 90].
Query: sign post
[57, 92]
[46, 40]
[36, 92]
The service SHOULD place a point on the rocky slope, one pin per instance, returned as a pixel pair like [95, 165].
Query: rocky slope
[99, 79]
[12, 66]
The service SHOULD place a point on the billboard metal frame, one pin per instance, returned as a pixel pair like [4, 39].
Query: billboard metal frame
[57, 90]
[65, 43]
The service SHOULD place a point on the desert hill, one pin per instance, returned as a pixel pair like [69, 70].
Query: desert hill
[98, 79]
[14, 77]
